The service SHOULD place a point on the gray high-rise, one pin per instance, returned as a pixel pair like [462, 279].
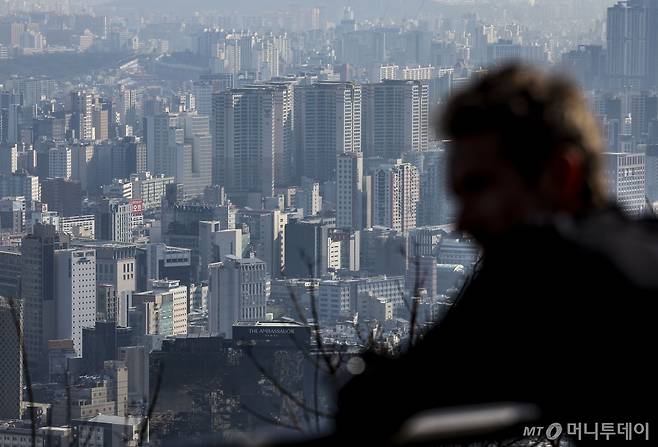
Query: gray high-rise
[330, 115]
[37, 290]
[395, 118]
[632, 33]
[180, 146]
[253, 137]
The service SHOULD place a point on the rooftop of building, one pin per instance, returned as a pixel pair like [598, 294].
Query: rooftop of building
[101, 244]
[114, 420]
[280, 323]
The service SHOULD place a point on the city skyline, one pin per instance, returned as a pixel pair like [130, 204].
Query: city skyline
[209, 209]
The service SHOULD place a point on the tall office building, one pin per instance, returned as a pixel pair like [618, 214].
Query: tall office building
[215, 244]
[136, 360]
[128, 106]
[632, 30]
[156, 136]
[625, 178]
[196, 172]
[651, 172]
[63, 196]
[102, 122]
[60, 162]
[11, 359]
[10, 274]
[128, 156]
[253, 138]
[114, 220]
[352, 196]
[82, 115]
[165, 307]
[435, 205]
[267, 233]
[12, 215]
[180, 225]
[82, 161]
[37, 290]
[159, 261]
[395, 118]
[237, 293]
[8, 159]
[20, 184]
[207, 86]
[330, 118]
[308, 197]
[396, 192]
[75, 293]
[116, 267]
[644, 109]
[180, 146]
[308, 251]
[10, 110]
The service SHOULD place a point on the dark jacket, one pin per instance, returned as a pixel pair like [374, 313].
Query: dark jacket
[561, 314]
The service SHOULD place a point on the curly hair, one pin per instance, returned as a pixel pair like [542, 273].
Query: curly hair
[533, 116]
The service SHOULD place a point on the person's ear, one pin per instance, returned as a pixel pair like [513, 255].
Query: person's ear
[564, 179]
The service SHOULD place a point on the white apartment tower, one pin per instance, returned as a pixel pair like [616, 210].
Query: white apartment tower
[75, 293]
[396, 191]
[82, 115]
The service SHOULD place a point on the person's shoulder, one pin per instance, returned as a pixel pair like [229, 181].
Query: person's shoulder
[603, 241]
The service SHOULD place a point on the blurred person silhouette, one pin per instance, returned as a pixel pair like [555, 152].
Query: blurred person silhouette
[560, 312]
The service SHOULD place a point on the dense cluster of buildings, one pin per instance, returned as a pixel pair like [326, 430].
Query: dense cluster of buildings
[237, 202]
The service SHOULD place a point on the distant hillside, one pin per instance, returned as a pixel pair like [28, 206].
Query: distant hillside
[333, 8]
[59, 66]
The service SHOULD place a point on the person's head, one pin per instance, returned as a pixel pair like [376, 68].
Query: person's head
[522, 144]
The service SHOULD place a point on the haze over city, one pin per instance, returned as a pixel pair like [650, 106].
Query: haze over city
[210, 210]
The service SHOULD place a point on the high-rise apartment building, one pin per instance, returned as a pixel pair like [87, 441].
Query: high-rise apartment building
[253, 139]
[330, 116]
[82, 115]
[396, 192]
[395, 118]
[632, 30]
